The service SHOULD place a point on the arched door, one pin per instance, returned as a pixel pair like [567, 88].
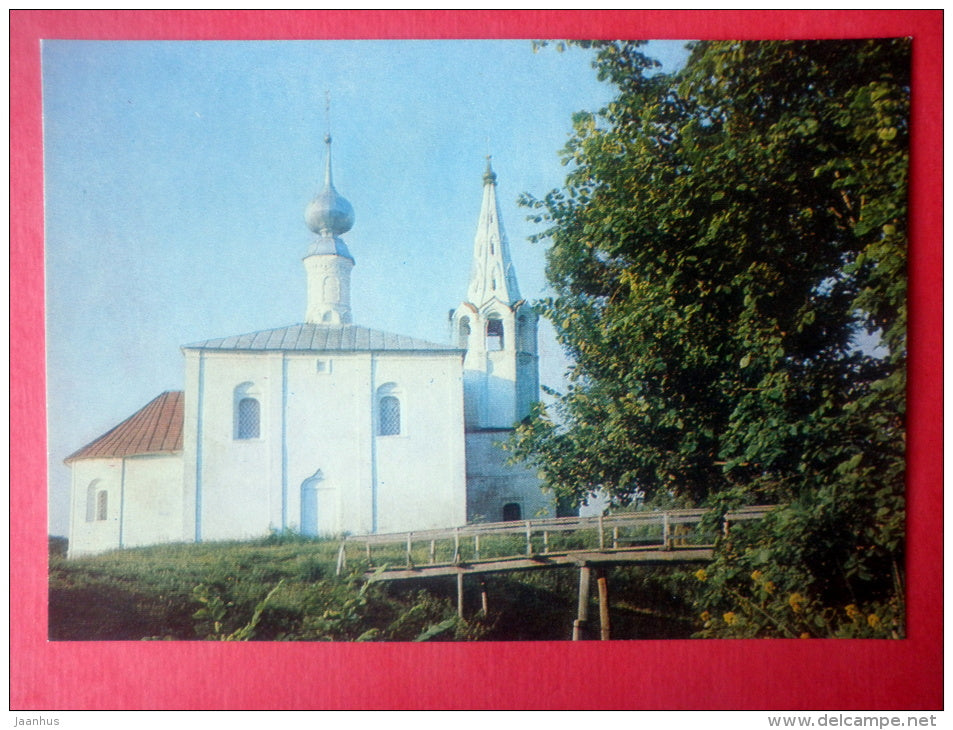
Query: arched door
[309, 509]
[319, 514]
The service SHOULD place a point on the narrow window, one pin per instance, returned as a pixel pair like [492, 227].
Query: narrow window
[91, 495]
[332, 289]
[389, 416]
[102, 502]
[249, 418]
[463, 341]
[511, 512]
[246, 411]
[525, 335]
[494, 334]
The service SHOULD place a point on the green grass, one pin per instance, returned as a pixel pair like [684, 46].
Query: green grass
[216, 590]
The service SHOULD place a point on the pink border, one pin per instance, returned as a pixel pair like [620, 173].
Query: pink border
[775, 675]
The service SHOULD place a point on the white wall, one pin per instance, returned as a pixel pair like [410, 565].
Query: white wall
[152, 511]
[88, 537]
[144, 495]
[236, 481]
[492, 483]
[421, 473]
[319, 424]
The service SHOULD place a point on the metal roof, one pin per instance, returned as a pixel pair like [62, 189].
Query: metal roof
[156, 428]
[321, 338]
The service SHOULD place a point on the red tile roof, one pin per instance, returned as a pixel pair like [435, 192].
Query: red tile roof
[156, 428]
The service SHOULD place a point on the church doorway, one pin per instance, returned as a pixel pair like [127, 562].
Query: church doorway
[318, 508]
[511, 512]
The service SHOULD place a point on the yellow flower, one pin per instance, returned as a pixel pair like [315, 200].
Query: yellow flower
[852, 611]
[729, 618]
[701, 574]
[705, 616]
[805, 635]
[796, 601]
[873, 621]
[769, 586]
[756, 576]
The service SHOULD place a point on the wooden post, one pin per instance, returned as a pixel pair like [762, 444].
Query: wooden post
[367, 549]
[410, 561]
[545, 541]
[484, 602]
[433, 552]
[602, 534]
[460, 594]
[603, 585]
[529, 539]
[476, 547]
[456, 546]
[579, 625]
[342, 560]
[666, 533]
[615, 538]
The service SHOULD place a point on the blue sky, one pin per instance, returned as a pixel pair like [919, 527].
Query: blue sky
[177, 174]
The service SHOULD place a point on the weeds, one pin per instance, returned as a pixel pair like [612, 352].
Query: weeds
[214, 610]
[288, 591]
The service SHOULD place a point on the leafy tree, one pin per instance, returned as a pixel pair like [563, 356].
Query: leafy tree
[725, 236]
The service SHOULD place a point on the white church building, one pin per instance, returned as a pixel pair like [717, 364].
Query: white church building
[327, 427]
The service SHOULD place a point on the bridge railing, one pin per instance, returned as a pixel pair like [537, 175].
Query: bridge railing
[667, 530]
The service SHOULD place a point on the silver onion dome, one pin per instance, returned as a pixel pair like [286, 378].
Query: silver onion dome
[329, 214]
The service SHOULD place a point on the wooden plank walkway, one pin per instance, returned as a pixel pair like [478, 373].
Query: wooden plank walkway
[587, 543]
[631, 537]
[576, 558]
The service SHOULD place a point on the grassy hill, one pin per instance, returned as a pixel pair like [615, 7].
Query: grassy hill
[283, 588]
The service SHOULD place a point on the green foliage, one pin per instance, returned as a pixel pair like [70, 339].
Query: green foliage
[263, 590]
[247, 591]
[436, 630]
[725, 235]
[212, 614]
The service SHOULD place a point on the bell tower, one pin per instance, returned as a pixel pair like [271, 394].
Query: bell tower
[328, 263]
[496, 327]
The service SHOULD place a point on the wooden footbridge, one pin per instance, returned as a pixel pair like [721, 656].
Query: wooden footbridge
[589, 543]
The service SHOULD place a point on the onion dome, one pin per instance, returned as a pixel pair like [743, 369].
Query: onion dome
[329, 214]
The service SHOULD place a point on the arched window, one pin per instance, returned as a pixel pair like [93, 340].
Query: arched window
[247, 412]
[102, 505]
[525, 334]
[332, 289]
[463, 340]
[249, 418]
[388, 410]
[390, 416]
[91, 491]
[511, 512]
[494, 333]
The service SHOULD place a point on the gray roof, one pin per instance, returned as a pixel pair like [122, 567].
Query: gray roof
[321, 338]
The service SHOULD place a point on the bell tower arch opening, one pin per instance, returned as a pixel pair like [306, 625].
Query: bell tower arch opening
[494, 333]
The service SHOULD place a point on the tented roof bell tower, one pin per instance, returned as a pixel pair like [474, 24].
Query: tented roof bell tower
[496, 327]
[492, 275]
